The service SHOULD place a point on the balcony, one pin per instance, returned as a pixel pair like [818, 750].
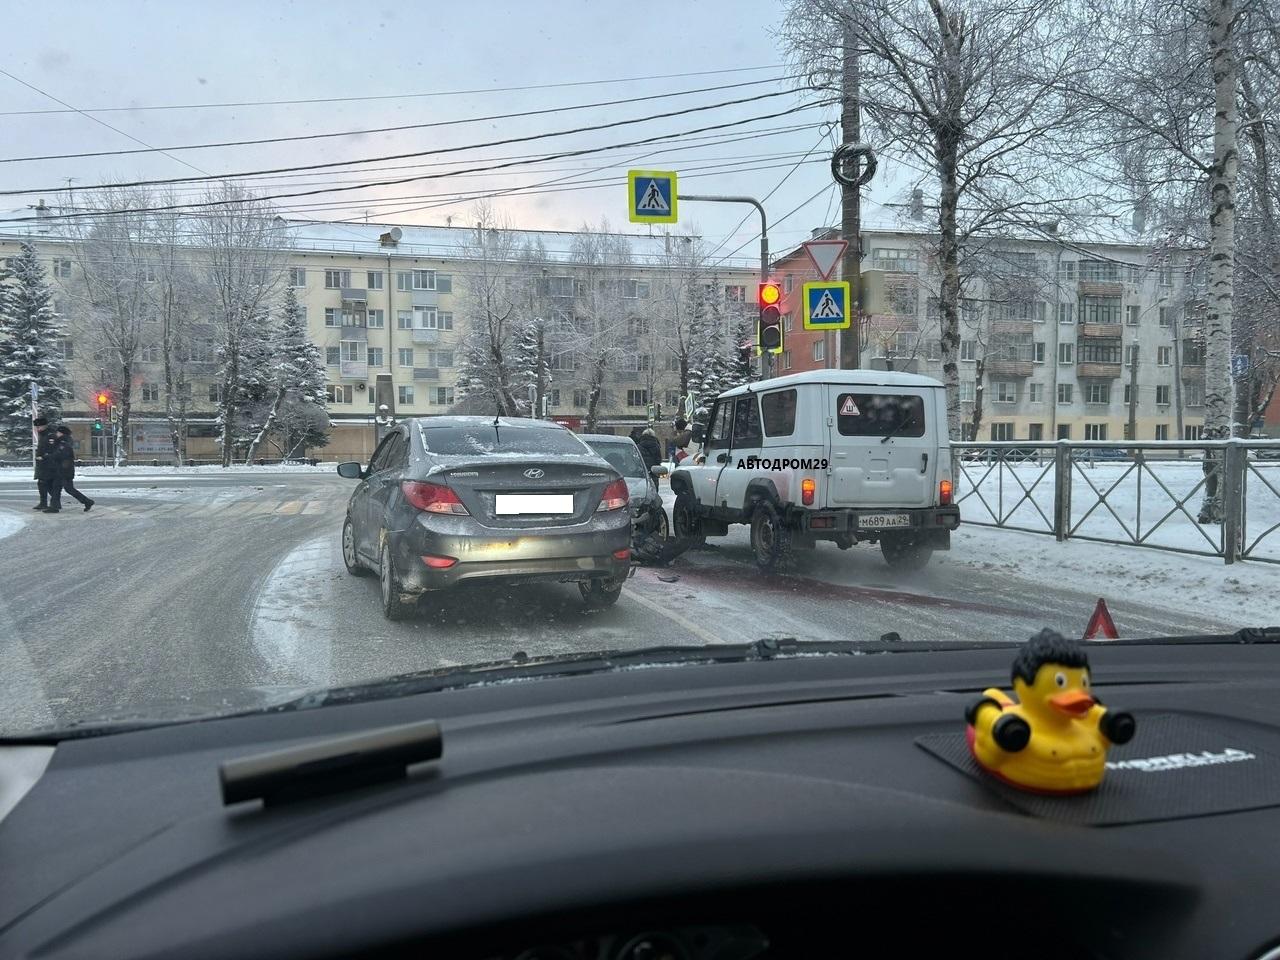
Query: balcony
[426, 373]
[1101, 288]
[422, 335]
[353, 332]
[1110, 331]
[1193, 372]
[1009, 368]
[1017, 328]
[627, 376]
[353, 370]
[424, 298]
[1098, 371]
[354, 295]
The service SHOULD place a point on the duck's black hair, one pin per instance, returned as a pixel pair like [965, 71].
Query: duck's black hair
[1047, 646]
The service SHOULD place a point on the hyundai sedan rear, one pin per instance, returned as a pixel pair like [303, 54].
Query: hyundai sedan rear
[447, 499]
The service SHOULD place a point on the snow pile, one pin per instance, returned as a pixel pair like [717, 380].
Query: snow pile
[10, 523]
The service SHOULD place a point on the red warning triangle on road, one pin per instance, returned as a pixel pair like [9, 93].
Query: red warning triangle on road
[1101, 622]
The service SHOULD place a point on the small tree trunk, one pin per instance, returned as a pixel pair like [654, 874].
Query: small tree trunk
[979, 395]
[593, 399]
[122, 423]
[266, 424]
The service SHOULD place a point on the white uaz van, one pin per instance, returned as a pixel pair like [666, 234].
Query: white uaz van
[844, 455]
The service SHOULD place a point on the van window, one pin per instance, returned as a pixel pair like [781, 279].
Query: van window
[779, 409]
[746, 422]
[718, 435]
[879, 414]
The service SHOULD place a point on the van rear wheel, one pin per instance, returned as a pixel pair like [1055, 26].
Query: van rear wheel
[903, 552]
[770, 537]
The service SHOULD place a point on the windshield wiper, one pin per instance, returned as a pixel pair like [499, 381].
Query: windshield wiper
[910, 418]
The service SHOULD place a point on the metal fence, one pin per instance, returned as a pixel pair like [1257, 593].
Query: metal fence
[1146, 494]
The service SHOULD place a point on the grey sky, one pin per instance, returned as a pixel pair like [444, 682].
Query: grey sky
[128, 54]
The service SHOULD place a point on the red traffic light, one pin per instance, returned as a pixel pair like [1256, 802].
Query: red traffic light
[769, 294]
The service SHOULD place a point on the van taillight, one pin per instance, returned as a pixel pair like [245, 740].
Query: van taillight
[432, 497]
[944, 492]
[808, 486]
[614, 496]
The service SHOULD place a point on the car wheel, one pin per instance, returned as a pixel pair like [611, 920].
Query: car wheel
[600, 593]
[349, 556]
[664, 525]
[393, 608]
[770, 537]
[903, 553]
[845, 541]
[685, 520]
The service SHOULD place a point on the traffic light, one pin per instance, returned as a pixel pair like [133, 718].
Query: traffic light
[769, 337]
[104, 400]
[97, 425]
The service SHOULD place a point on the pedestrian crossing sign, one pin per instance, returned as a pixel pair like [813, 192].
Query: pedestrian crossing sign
[651, 196]
[826, 305]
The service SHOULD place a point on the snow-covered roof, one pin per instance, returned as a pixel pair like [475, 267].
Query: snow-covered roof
[839, 378]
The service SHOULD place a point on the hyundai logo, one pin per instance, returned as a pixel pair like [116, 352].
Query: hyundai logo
[534, 473]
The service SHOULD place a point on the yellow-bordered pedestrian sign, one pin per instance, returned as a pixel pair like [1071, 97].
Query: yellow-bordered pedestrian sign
[651, 196]
[826, 305]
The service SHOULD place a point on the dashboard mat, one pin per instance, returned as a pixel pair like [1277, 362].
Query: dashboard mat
[1177, 766]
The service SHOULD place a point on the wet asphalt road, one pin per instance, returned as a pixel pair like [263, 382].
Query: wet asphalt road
[202, 594]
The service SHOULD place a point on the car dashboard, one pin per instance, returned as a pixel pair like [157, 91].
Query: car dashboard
[778, 806]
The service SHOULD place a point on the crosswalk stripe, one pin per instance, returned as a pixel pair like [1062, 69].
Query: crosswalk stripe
[288, 508]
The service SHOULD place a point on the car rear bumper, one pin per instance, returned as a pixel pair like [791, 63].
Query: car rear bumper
[933, 523]
[579, 552]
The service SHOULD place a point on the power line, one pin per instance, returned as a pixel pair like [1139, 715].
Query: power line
[441, 150]
[384, 183]
[785, 216]
[392, 96]
[395, 129]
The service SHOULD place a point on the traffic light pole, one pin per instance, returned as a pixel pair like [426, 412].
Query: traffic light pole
[766, 360]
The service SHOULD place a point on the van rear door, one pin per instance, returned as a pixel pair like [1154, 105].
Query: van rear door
[884, 447]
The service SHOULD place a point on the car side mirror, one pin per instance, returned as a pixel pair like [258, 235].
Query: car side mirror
[658, 470]
[351, 470]
[699, 433]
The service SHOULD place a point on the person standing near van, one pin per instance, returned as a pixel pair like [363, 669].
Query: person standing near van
[64, 461]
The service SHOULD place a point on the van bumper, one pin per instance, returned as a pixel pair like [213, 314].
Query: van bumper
[928, 524]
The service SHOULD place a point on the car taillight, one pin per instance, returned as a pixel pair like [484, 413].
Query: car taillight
[432, 497]
[944, 492]
[614, 496]
[808, 486]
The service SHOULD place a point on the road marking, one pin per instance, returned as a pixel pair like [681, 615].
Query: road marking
[289, 508]
[674, 617]
[315, 507]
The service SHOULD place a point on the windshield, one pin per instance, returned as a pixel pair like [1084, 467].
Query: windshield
[349, 343]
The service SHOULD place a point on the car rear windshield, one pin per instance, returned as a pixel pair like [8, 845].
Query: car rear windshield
[485, 439]
[880, 414]
[623, 457]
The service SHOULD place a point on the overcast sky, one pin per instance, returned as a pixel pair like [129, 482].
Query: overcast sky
[112, 54]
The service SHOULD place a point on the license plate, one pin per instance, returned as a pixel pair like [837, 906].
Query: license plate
[543, 504]
[880, 521]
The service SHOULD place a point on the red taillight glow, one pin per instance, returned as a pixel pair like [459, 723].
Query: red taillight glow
[623, 554]
[432, 497]
[614, 496]
[439, 563]
[808, 486]
[944, 492]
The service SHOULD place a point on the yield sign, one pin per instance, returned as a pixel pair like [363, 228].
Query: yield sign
[825, 254]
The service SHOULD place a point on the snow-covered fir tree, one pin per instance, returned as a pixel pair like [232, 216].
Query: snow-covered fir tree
[294, 377]
[30, 352]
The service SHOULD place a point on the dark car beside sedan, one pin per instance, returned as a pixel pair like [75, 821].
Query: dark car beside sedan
[450, 499]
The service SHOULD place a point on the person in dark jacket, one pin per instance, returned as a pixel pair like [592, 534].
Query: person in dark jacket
[45, 470]
[650, 448]
[64, 460]
[684, 437]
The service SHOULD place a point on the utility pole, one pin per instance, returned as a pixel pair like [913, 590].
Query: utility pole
[1177, 378]
[1131, 430]
[851, 200]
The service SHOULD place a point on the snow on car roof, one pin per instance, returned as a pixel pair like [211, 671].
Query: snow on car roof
[852, 378]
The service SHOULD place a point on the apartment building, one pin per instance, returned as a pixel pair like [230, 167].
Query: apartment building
[1056, 327]
[386, 305]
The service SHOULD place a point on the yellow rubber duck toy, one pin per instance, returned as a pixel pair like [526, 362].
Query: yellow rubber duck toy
[1054, 737]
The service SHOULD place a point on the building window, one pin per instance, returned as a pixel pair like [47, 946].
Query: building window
[1100, 309]
[352, 350]
[376, 319]
[1131, 314]
[563, 361]
[637, 362]
[1095, 431]
[1066, 354]
[373, 279]
[62, 268]
[1163, 394]
[404, 356]
[215, 393]
[579, 398]
[1128, 394]
[332, 356]
[1006, 391]
[440, 358]
[786, 359]
[967, 350]
[1134, 273]
[64, 348]
[1130, 354]
[968, 391]
[819, 350]
[297, 276]
[404, 319]
[339, 392]
[1192, 353]
[637, 326]
[788, 283]
[1064, 393]
[1066, 313]
[1164, 356]
[337, 279]
[375, 356]
[1166, 274]
[1097, 393]
[557, 286]
[1162, 431]
[424, 318]
[404, 395]
[1099, 271]
[637, 398]
[1035, 392]
[444, 284]
[787, 322]
[332, 317]
[1099, 351]
[1193, 394]
[1037, 352]
[150, 353]
[1067, 270]
[150, 392]
[893, 258]
[635, 289]
[1002, 431]
[735, 293]
[1190, 432]
[442, 396]
[444, 321]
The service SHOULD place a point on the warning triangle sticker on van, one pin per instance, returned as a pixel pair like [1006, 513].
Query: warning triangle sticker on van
[848, 408]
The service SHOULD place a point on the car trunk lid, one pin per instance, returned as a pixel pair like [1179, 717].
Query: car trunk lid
[528, 491]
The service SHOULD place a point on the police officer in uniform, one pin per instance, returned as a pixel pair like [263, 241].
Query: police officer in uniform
[64, 460]
[45, 469]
